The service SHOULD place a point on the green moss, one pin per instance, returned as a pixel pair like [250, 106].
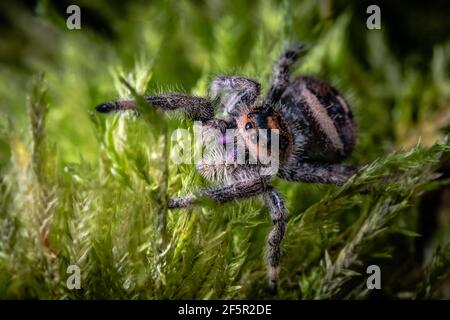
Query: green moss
[80, 188]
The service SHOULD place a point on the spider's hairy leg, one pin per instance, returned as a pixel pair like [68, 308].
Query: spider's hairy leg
[278, 213]
[336, 174]
[281, 74]
[195, 108]
[234, 92]
[240, 189]
[219, 124]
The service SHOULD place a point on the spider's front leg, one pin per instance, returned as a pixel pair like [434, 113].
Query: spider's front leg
[234, 92]
[240, 189]
[195, 108]
[274, 202]
[278, 213]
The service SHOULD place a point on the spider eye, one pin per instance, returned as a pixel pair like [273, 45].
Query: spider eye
[248, 126]
[254, 138]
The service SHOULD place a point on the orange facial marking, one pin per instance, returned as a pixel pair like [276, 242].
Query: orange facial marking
[244, 119]
[272, 123]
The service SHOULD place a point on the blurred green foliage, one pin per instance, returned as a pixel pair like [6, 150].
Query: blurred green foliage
[79, 188]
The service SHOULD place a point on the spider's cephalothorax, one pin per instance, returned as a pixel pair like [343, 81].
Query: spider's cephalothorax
[312, 121]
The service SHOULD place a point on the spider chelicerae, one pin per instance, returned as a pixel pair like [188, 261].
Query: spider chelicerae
[312, 122]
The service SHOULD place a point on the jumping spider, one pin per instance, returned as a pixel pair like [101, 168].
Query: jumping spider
[316, 132]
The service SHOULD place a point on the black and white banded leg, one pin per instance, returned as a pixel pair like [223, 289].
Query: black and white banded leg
[238, 190]
[274, 203]
[195, 108]
[278, 213]
[281, 74]
[336, 174]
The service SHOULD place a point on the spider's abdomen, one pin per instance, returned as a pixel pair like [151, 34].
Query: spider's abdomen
[321, 121]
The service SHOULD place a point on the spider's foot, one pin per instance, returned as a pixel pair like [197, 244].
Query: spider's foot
[294, 51]
[180, 202]
[106, 107]
[273, 287]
